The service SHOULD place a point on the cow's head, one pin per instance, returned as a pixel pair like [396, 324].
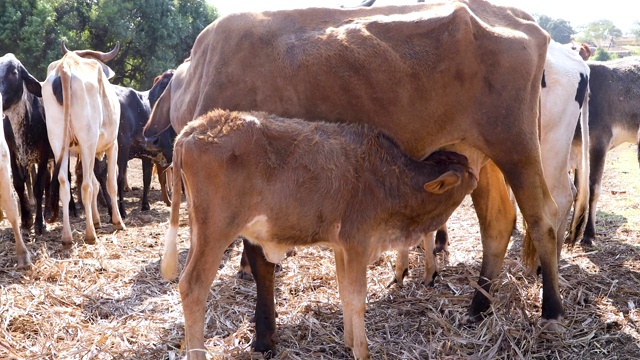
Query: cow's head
[96, 55]
[159, 84]
[13, 79]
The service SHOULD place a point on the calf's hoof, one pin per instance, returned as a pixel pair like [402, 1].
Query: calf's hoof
[24, 261]
[120, 226]
[146, 207]
[67, 244]
[431, 282]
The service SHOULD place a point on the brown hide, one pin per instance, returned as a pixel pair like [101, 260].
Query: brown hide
[283, 182]
[307, 177]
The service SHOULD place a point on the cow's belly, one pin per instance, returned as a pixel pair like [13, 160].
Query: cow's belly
[622, 135]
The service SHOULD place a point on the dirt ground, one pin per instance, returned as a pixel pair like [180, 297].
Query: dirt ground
[108, 301]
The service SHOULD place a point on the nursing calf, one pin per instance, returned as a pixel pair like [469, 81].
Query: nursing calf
[282, 183]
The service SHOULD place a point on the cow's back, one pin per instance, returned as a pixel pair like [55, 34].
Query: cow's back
[414, 71]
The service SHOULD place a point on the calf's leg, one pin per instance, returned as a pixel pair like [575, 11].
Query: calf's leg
[352, 285]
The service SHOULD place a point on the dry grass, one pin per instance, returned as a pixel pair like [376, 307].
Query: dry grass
[108, 301]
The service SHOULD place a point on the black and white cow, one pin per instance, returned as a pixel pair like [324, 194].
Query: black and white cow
[614, 118]
[26, 135]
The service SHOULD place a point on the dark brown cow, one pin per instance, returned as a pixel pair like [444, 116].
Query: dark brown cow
[464, 73]
[282, 183]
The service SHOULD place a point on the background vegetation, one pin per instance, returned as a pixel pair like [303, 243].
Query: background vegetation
[154, 35]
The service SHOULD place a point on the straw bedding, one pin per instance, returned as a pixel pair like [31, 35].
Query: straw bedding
[108, 301]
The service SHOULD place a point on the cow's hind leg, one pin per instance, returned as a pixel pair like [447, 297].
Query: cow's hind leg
[112, 186]
[208, 243]
[88, 196]
[540, 212]
[597, 158]
[64, 187]
[147, 167]
[497, 217]
[264, 274]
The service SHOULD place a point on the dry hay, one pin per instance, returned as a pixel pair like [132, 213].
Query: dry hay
[108, 301]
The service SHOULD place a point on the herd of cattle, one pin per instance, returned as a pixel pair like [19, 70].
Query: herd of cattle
[406, 110]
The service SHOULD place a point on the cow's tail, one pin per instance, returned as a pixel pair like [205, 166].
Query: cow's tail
[581, 205]
[169, 265]
[65, 100]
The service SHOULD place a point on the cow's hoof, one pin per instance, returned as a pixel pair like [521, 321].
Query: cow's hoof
[587, 241]
[40, 229]
[267, 348]
[120, 226]
[90, 240]
[552, 326]
[67, 244]
[24, 262]
[470, 318]
[244, 275]
[146, 207]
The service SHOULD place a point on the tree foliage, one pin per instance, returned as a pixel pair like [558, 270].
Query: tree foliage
[601, 33]
[559, 29]
[154, 35]
[635, 30]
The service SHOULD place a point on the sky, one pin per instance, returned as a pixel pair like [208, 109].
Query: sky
[577, 12]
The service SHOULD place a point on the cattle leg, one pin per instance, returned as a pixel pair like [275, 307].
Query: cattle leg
[264, 274]
[89, 198]
[205, 256]
[10, 206]
[598, 155]
[147, 167]
[39, 185]
[162, 179]
[95, 214]
[430, 259]
[123, 158]
[497, 217]
[19, 184]
[112, 186]
[525, 175]
[65, 194]
[245, 270]
[352, 285]
[402, 267]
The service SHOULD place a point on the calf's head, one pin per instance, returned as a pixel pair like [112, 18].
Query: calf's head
[454, 179]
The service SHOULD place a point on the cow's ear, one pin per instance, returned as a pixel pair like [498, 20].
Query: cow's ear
[32, 85]
[445, 182]
[107, 71]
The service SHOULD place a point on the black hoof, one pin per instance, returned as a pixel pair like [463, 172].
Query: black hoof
[244, 275]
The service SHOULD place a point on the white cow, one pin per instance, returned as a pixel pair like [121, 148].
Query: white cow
[8, 201]
[83, 114]
[565, 89]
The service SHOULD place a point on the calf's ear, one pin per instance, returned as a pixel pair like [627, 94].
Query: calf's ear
[443, 183]
[32, 85]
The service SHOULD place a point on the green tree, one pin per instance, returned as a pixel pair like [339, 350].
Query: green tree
[603, 55]
[154, 35]
[559, 29]
[635, 30]
[601, 33]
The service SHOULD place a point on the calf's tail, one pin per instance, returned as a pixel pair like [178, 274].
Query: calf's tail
[169, 264]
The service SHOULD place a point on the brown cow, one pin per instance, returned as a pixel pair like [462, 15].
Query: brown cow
[461, 72]
[282, 183]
